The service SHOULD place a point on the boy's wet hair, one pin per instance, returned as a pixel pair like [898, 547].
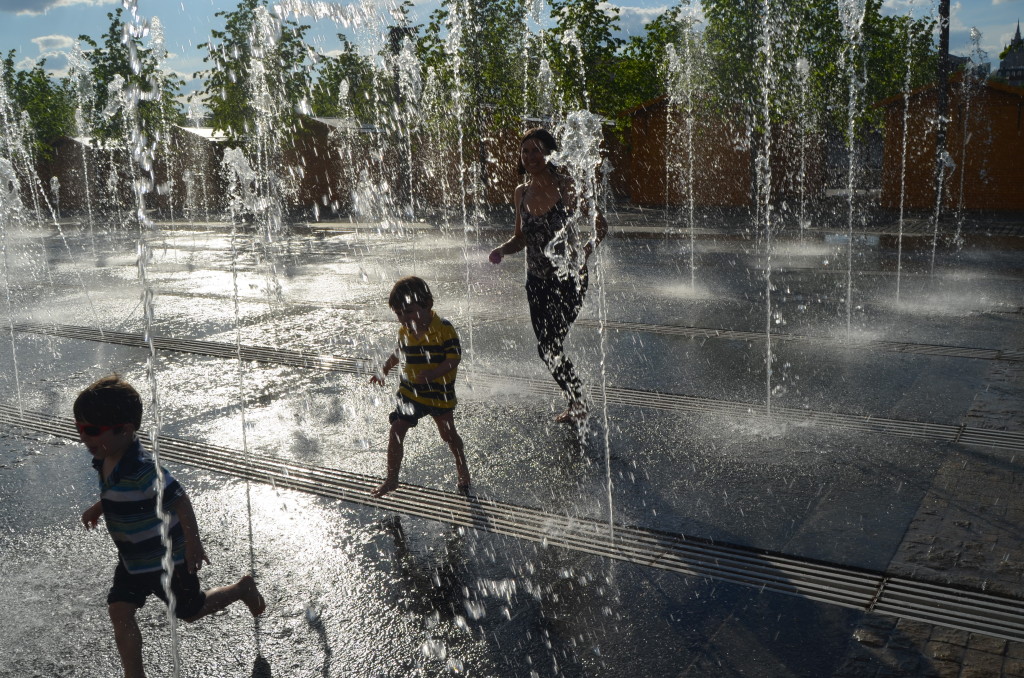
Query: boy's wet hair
[410, 290]
[547, 142]
[108, 402]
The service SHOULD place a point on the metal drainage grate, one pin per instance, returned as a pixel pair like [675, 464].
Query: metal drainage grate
[1008, 440]
[855, 588]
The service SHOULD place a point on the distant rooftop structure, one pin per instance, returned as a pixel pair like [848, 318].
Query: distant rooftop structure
[208, 133]
[1011, 66]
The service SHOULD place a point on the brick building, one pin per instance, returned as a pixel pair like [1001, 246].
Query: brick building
[657, 166]
[986, 172]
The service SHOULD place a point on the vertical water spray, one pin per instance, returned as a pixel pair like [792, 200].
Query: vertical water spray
[55, 193]
[142, 152]
[239, 177]
[943, 161]
[11, 213]
[680, 81]
[78, 74]
[969, 85]
[580, 137]
[158, 52]
[196, 200]
[763, 171]
[903, 157]
[851, 13]
[458, 19]
[15, 146]
[803, 72]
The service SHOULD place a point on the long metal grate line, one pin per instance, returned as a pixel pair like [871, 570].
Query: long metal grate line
[739, 335]
[1008, 440]
[824, 582]
[716, 333]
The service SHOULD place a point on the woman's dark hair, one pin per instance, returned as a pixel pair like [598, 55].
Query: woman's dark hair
[547, 142]
[410, 290]
[108, 402]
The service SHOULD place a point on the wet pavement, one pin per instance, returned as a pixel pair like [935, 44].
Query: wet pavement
[361, 590]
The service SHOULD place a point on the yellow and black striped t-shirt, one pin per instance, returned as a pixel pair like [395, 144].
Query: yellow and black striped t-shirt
[439, 343]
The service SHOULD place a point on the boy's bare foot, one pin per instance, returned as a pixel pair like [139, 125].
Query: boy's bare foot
[385, 487]
[251, 596]
[463, 485]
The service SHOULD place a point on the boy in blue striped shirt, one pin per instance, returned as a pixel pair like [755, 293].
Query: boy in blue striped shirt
[108, 413]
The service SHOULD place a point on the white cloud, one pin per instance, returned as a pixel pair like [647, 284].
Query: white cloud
[44, 6]
[633, 20]
[1007, 2]
[50, 43]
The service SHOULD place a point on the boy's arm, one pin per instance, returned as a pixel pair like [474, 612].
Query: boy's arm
[195, 554]
[389, 364]
[438, 371]
[91, 515]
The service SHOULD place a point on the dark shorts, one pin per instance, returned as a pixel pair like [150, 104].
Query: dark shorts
[135, 588]
[412, 411]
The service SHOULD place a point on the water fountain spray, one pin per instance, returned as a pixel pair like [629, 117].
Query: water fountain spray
[851, 13]
[142, 151]
[11, 213]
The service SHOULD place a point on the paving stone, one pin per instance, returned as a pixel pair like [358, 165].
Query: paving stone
[981, 665]
[944, 651]
[988, 644]
[870, 637]
[980, 672]
[951, 636]
[918, 632]
[939, 669]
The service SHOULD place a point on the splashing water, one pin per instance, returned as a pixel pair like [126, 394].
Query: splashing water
[580, 154]
[142, 152]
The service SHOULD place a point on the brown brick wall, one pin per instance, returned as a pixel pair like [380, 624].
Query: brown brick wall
[989, 169]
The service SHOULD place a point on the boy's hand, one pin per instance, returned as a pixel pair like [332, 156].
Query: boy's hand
[496, 256]
[377, 379]
[195, 555]
[91, 516]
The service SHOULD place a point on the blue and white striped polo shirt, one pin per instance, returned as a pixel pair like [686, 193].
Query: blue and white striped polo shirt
[129, 509]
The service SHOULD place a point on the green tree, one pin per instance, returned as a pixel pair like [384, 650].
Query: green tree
[491, 49]
[584, 55]
[48, 102]
[813, 31]
[111, 63]
[641, 68]
[345, 85]
[259, 66]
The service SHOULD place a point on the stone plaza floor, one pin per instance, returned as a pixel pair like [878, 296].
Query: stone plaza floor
[886, 443]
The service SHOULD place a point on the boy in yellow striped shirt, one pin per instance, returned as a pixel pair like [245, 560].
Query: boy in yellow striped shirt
[430, 346]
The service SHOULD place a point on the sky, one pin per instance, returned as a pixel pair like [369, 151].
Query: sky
[49, 28]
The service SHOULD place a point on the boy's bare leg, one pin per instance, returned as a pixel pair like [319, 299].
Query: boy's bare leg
[446, 427]
[396, 450]
[128, 638]
[219, 598]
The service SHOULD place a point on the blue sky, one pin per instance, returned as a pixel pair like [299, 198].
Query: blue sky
[37, 28]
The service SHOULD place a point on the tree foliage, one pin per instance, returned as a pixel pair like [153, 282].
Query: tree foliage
[346, 85]
[48, 102]
[258, 66]
[641, 72]
[485, 41]
[741, 41]
[112, 74]
[583, 50]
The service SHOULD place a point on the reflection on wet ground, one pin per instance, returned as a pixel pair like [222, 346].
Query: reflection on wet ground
[359, 590]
